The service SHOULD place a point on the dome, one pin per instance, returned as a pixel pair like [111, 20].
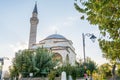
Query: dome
[55, 36]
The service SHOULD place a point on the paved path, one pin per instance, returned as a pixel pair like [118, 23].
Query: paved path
[83, 79]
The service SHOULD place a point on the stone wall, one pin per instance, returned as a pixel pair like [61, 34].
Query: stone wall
[57, 78]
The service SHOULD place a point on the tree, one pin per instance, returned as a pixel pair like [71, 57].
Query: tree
[39, 62]
[105, 70]
[91, 66]
[104, 14]
[44, 61]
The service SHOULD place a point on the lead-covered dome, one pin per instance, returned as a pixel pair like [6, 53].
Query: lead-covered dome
[55, 36]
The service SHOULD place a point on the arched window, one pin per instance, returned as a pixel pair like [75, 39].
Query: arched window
[58, 57]
[67, 59]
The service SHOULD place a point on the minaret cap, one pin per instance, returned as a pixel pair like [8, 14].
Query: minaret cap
[35, 8]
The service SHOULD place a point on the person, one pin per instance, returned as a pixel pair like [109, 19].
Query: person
[85, 76]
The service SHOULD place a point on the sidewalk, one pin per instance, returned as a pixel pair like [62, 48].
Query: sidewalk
[80, 79]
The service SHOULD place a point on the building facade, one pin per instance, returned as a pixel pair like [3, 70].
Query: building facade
[56, 43]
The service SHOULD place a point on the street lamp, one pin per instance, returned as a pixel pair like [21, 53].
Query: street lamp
[92, 37]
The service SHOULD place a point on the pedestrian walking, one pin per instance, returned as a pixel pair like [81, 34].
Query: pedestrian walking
[85, 76]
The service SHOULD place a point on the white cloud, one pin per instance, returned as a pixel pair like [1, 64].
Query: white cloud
[14, 48]
[19, 46]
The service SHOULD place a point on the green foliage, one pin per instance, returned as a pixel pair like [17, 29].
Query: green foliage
[13, 72]
[67, 69]
[58, 71]
[39, 62]
[106, 15]
[105, 70]
[52, 75]
[110, 48]
[90, 65]
[44, 61]
[74, 72]
[118, 70]
[70, 70]
[82, 17]
[80, 69]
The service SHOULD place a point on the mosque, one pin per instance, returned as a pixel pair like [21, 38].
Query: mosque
[58, 44]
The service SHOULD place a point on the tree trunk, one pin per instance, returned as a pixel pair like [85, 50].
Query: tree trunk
[113, 72]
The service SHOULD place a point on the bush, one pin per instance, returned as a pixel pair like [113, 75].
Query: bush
[52, 75]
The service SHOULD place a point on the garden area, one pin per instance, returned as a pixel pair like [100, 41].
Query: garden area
[40, 63]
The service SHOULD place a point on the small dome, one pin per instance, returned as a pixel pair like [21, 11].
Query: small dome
[55, 36]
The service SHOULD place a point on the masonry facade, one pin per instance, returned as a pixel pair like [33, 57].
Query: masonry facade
[56, 43]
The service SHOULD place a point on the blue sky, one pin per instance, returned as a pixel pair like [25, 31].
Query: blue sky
[54, 15]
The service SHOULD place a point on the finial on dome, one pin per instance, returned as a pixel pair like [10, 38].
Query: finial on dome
[56, 32]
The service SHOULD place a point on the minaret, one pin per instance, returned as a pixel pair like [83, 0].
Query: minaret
[33, 28]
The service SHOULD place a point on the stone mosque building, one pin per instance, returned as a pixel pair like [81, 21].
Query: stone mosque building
[58, 44]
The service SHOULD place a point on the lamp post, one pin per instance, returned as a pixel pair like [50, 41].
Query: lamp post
[92, 37]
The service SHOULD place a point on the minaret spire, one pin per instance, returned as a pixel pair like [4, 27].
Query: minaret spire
[33, 28]
[35, 8]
